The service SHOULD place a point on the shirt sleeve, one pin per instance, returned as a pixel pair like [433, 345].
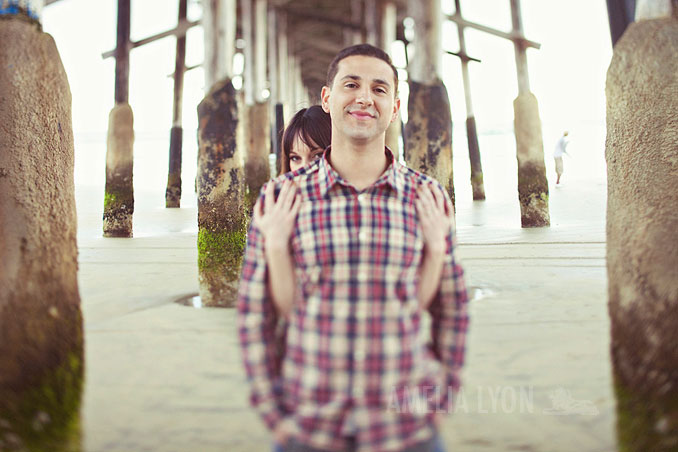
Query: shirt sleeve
[450, 319]
[257, 320]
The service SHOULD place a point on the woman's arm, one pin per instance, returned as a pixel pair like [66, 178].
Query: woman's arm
[276, 219]
[435, 216]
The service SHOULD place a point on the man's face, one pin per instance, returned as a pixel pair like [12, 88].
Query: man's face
[361, 100]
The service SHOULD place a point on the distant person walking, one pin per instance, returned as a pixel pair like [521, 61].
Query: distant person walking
[560, 149]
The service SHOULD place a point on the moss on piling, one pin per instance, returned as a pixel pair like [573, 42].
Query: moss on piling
[118, 210]
[643, 423]
[221, 251]
[47, 416]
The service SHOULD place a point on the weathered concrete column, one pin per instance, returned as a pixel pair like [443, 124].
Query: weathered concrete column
[258, 148]
[222, 220]
[428, 133]
[276, 120]
[119, 194]
[477, 183]
[283, 63]
[257, 170]
[533, 188]
[388, 25]
[173, 191]
[642, 243]
[41, 335]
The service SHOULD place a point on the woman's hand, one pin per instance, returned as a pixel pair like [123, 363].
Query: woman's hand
[276, 218]
[436, 218]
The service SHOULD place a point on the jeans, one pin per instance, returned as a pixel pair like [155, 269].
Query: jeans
[435, 444]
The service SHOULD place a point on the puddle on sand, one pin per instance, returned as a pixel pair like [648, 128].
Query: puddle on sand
[478, 293]
[191, 300]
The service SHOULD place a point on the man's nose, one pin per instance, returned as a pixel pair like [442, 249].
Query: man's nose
[364, 96]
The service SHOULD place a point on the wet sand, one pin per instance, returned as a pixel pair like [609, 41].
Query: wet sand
[166, 377]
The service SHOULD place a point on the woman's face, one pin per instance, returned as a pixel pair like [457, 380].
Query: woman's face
[302, 154]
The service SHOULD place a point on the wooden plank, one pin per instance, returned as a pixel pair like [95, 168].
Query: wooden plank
[122, 53]
[319, 17]
[457, 19]
[463, 56]
[219, 26]
[246, 24]
[283, 59]
[521, 55]
[179, 69]
[178, 31]
[273, 57]
[426, 64]
[260, 45]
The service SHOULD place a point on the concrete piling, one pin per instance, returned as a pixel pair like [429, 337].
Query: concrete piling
[222, 219]
[41, 333]
[641, 151]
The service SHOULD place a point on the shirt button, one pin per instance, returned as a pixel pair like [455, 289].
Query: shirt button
[362, 236]
[362, 198]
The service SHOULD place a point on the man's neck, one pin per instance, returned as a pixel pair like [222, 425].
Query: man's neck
[359, 163]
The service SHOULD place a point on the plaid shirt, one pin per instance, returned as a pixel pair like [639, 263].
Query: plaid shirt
[354, 363]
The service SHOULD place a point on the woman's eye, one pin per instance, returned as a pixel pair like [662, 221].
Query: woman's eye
[295, 158]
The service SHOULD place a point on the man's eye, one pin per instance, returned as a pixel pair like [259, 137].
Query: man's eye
[380, 90]
[351, 85]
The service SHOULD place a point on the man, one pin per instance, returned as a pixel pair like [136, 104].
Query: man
[355, 374]
[558, 152]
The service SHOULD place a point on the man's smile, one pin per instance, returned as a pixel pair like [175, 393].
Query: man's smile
[361, 114]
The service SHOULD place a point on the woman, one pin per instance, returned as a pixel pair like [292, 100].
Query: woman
[305, 138]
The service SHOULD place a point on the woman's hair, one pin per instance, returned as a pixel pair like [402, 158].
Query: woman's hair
[311, 125]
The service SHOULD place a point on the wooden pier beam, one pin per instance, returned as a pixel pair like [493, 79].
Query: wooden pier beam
[173, 191]
[119, 192]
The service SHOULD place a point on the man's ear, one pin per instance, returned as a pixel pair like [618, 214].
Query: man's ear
[396, 109]
[325, 98]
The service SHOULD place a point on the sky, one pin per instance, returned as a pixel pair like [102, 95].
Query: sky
[567, 75]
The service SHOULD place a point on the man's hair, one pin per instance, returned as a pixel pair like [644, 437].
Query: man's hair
[364, 50]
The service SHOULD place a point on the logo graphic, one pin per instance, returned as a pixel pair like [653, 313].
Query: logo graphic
[564, 404]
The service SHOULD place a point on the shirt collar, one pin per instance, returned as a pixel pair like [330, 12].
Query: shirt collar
[328, 177]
